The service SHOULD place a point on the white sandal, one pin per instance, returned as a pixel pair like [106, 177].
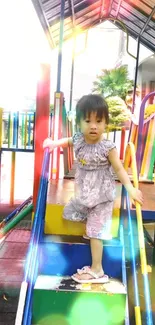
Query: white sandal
[86, 237]
[95, 278]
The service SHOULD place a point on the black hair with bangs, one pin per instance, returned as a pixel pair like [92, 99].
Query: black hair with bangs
[92, 103]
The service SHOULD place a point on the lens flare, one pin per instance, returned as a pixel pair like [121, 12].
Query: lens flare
[56, 319]
[118, 310]
[88, 309]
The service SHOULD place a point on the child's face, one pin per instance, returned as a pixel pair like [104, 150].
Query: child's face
[92, 127]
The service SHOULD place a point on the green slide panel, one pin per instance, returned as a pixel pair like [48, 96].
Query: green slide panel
[77, 308]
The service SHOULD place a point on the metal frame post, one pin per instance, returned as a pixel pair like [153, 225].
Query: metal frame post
[137, 57]
[41, 123]
[136, 73]
[73, 52]
[62, 14]
[72, 73]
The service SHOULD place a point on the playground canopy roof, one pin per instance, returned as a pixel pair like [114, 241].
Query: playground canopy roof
[138, 16]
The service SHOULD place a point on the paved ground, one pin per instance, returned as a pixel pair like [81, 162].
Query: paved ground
[12, 257]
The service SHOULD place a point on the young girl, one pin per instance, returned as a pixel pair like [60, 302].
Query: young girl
[95, 186]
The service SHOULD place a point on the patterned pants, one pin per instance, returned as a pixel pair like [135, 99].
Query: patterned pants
[98, 219]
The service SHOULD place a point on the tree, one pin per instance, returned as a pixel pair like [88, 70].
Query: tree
[114, 82]
[118, 112]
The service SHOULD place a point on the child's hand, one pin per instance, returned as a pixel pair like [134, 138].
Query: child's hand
[136, 195]
[49, 143]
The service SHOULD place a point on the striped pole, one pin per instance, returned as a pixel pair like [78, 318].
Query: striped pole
[145, 132]
[152, 163]
[57, 133]
[10, 130]
[12, 185]
[25, 131]
[122, 143]
[147, 147]
[33, 131]
[151, 140]
[58, 102]
[65, 135]
[70, 149]
[22, 130]
[1, 126]
[29, 129]
[14, 129]
[17, 132]
[132, 139]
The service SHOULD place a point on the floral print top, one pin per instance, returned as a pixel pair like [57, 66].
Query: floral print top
[94, 177]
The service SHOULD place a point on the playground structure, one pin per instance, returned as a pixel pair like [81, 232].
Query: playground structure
[60, 284]
[18, 130]
[148, 147]
[18, 136]
[55, 251]
[51, 288]
[67, 249]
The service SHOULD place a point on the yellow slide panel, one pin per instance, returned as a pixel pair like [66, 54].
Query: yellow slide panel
[56, 225]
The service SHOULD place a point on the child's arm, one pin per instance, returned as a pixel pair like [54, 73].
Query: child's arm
[52, 144]
[123, 176]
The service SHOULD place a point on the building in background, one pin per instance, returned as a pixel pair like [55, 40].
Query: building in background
[146, 76]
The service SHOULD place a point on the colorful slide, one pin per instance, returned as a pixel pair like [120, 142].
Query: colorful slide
[48, 296]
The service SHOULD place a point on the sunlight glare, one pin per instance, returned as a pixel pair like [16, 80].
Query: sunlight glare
[55, 319]
[85, 309]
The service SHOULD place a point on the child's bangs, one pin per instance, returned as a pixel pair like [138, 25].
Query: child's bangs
[92, 104]
[99, 113]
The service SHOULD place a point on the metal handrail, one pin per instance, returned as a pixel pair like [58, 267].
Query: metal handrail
[124, 274]
[24, 310]
[138, 318]
[130, 148]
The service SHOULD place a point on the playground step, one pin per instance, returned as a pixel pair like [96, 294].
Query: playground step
[62, 256]
[55, 224]
[59, 300]
[76, 240]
